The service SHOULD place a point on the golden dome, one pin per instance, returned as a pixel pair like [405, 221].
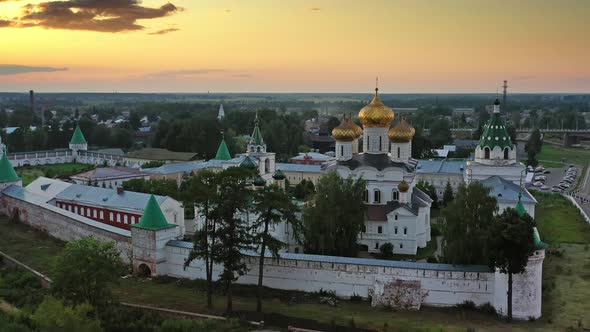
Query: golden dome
[376, 114]
[358, 131]
[345, 131]
[403, 186]
[402, 132]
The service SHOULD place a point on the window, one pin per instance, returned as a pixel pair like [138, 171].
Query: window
[398, 152]
[118, 217]
[101, 215]
[379, 229]
[395, 195]
[505, 153]
[395, 216]
[395, 230]
[377, 196]
[380, 143]
[377, 245]
[75, 209]
[486, 153]
[363, 228]
[125, 219]
[401, 245]
[267, 165]
[133, 219]
[341, 150]
[405, 231]
[111, 217]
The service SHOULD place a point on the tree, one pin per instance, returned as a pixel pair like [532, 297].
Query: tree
[332, 223]
[53, 316]
[440, 132]
[86, 270]
[134, 120]
[532, 158]
[448, 194]
[467, 220]
[511, 242]
[272, 206]
[231, 209]
[429, 190]
[201, 192]
[534, 143]
[387, 250]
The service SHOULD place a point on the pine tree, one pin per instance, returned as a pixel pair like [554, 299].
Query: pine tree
[273, 206]
[448, 194]
[510, 243]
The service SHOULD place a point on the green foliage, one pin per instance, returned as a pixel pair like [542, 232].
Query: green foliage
[21, 288]
[30, 173]
[332, 223]
[53, 316]
[448, 194]
[440, 133]
[9, 324]
[510, 243]
[532, 158]
[163, 187]
[118, 318]
[86, 270]
[304, 190]
[153, 164]
[209, 325]
[534, 143]
[467, 220]
[429, 190]
[386, 250]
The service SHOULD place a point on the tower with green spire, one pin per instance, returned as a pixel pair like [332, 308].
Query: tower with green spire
[495, 146]
[222, 150]
[7, 174]
[78, 142]
[149, 238]
[256, 144]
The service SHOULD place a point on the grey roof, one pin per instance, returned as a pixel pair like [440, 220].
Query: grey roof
[506, 191]
[177, 167]
[23, 194]
[379, 161]
[313, 156]
[106, 173]
[394, 205]
[113, 151]
[441, 166]
[357, 261]
[299, 168]
[419, 194]
[107, 197]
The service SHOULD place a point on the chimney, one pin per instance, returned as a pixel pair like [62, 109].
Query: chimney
[32, 101]
[120, 191]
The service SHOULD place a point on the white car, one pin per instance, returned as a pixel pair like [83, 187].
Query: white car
[544, 187]
[540, 178]
[538, 184]
[556, 189]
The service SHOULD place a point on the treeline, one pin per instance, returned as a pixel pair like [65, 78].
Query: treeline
[200, 132]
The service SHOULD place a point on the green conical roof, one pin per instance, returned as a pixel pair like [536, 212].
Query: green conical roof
[78, 137]
[152, 217]
[259, 182]
[222, 151]
[520, 207]
[248, 163]
[495, 133]
[279, 175]
[7, 173]
[256, 135]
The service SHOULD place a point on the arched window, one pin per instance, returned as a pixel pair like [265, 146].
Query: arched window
[380, 143]
[266, 165]
[505, 153]
[341, 150]
[258, 149]
[486, 152]
[377, 196]
[398, 152]
[395, 195]
[377, 245]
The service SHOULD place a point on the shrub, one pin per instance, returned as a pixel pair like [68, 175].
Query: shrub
[466, 305]
[386, 250]
[153, 164]
[356, 298]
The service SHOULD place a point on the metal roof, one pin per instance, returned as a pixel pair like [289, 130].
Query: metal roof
[46, 187]
[106, 173]
[313, 156]
[441, 167]
[507, 191]
[298, 168]
[107, 197]
[356, 261]
[177, 167]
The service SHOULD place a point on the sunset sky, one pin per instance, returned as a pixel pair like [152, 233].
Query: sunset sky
[294, 45]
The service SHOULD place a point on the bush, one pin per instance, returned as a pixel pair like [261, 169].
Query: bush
[153, 164]
[356, 298]
[466, 305]
[386, 250]
[21, 289]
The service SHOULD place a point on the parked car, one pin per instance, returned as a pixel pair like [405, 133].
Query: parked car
[540, 178]
[546, 171]
[556, 189]
[538, 184]
[544, 187]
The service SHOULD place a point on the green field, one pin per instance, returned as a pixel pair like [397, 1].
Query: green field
[30, 173]
[566, 284]
[568, 155]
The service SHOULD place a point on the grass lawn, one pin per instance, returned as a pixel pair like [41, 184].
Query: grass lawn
[556, 154]
[559, 221]
[30, 173]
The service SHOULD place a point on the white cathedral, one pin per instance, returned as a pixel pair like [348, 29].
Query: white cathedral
[397, 211]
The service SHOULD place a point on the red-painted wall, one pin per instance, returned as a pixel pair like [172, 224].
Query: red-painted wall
[117, 218]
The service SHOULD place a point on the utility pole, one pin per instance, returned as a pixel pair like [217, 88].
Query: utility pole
[504, 102]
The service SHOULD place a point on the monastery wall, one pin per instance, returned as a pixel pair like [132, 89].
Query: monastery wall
[65, 225]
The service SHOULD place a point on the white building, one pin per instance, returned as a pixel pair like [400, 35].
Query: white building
[397, 211]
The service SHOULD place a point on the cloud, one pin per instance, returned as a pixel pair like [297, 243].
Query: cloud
[18, 69]
[187, 73]
[163, 31]
[5, 23]
[228, 10]
[242, 75]
[314, 9]
[91, 15]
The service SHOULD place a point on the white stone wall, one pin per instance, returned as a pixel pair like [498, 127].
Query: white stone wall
[496, 156]
[344, 150]
[405, 151]
[375, 140]
[478, 172]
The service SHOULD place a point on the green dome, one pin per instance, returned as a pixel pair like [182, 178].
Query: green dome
[152, 217]
[279, 175]
[259, 182]
[7, 173]
[78, 137]
[248, 163]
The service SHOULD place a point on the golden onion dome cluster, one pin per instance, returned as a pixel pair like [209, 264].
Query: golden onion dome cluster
[402, 132]
[358, 131]
[403, 186]
[345, 132]
[376, 114]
